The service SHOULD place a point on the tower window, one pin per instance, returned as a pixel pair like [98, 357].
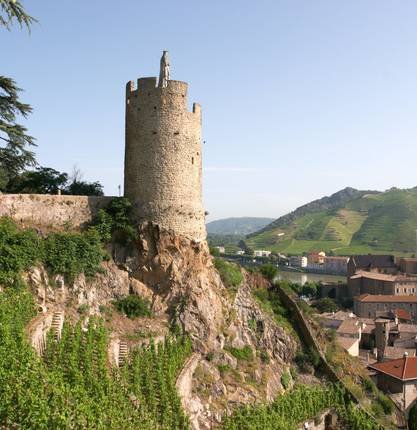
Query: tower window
[192, 160]
[154, 107]
[177, 132]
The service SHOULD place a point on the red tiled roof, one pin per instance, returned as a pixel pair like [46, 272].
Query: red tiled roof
[402, 368]
[402, 314]
[382, 298]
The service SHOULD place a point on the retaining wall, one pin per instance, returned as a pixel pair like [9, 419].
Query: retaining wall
[45, 211]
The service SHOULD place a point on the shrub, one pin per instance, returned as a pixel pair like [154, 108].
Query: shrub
[133, 306]
[18, 251]
[72, 253]
[115, 221]
[244, 353]
[285, 380]
[269, 271]
[83, 309]
[369, 386]
[229, 272]
[386, 403]
[264, 356]
[313, 357]
[325, 305]
[270, 302]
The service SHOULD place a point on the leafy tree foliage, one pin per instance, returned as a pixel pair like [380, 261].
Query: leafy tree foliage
[14, 149]
[83, 188]
[15, 154]
[115, 221]
[43, 180]
[326, 305]
[133, 306]
[12, 10]
[269, 271]
[65, 253]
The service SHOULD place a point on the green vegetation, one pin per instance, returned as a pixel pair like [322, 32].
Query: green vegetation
[72, 387]
[285, 380]
[325, 305]
[348, 222]
[133, 306]
[271, 303]
[412, 418]
[72, 253]
[66, 253]
[244, 353]
[269, 271]
[115, 221]
[302, 403]
[237, 226]
[229, 272]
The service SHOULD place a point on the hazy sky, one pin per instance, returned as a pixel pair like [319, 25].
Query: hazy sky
[299, 98]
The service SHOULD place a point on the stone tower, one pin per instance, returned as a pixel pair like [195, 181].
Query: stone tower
[163, 155]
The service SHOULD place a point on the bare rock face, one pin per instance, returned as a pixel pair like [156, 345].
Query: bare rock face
[184, 282]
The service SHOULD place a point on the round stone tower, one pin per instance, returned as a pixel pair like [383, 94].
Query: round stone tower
[163, 155]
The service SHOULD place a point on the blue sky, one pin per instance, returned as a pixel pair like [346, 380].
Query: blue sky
[300, 98]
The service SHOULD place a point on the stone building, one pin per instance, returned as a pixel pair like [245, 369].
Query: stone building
[363, 282]
[163, 155]
[372, 263]
[408, 265]
[335, 265]
[399, 379]
[370, 306]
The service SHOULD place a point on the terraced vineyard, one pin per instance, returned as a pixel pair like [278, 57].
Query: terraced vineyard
[72, 385]
[348, 222]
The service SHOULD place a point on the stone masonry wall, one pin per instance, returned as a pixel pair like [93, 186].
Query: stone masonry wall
[52, 212]
[163, 157]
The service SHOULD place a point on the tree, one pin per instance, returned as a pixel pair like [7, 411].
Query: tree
[15, 142]
[325, 305]
[83, 188]
[12, 10]
[14, 152]
[43, 180]
[269, 271]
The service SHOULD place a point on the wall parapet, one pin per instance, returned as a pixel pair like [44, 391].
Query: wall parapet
[310, 340]
[51, 212]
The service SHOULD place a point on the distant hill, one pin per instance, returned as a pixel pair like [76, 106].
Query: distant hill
[349, 221]
[237, 226]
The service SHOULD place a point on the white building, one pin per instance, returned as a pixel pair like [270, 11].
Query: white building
[220, 249]
[261, 253]
[298, 261]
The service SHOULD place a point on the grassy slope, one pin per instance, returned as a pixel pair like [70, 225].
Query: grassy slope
[376, 223]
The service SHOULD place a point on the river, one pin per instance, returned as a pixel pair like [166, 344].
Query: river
[302, 278]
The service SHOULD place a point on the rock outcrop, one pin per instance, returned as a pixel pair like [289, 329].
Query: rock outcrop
[177, 276]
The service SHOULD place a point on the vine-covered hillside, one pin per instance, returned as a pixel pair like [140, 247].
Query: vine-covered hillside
[348, 222]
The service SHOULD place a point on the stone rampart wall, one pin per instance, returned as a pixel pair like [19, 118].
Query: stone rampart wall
[51, 212]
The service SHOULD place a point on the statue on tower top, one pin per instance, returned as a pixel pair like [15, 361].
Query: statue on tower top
[164, 71]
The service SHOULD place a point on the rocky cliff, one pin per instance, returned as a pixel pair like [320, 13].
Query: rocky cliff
[239, 353]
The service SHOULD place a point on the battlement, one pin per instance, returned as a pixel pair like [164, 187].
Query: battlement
[149, 85]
